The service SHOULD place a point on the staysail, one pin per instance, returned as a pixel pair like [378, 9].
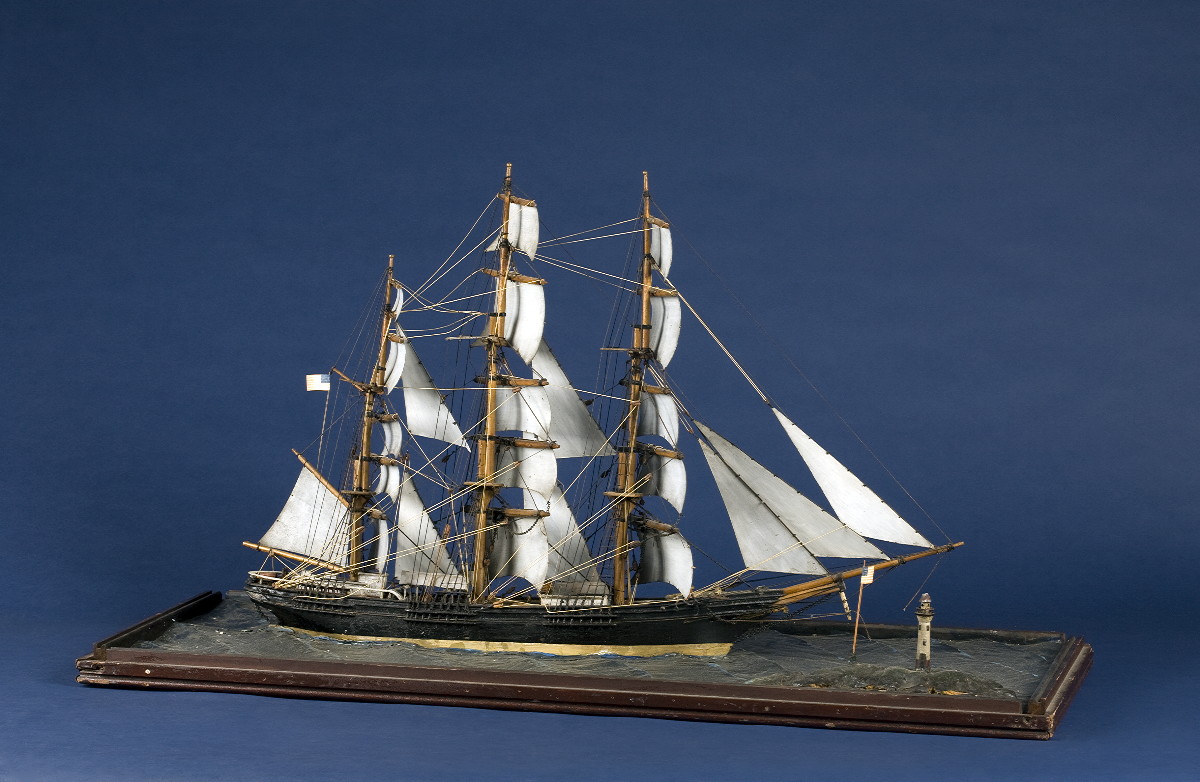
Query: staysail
[569, 558]
[571, 425]
[777, 528]
[421, 557]
[425, 410]
[857, 506]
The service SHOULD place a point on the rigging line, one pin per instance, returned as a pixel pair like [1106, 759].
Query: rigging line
[592, 393]
[552, 262]
[424, 549]
[928, 575]
[787, 357]
[462, 241]
[448, 301]
[588, 231]
[579, 269]
[601, 558]
[448, 330]
[757, 565]
[419, 294]
[608, 441]
[464, 316]
[559, 243]
[761, 394]
[595, 559]
[587, 564]
[437, 477]
[427, 304]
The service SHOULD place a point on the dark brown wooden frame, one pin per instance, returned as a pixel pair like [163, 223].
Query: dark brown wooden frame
[114, 663]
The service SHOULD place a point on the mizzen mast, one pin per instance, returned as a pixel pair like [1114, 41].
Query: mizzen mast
[360, 493]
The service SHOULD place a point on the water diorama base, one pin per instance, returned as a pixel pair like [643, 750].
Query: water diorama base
[990, 683]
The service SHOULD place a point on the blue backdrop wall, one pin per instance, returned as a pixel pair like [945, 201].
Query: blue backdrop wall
[971, 227]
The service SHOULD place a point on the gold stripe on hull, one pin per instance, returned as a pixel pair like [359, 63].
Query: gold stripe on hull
[564, 650]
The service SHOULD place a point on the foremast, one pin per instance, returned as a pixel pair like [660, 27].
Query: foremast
[626, 494]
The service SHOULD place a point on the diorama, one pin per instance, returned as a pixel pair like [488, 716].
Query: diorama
[501, 537]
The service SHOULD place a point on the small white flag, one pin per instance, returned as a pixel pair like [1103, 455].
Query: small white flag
[868, 575]
[316, 382]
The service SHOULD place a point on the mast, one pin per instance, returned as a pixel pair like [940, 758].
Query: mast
[639, 354]
[488, 445]
[361, 493]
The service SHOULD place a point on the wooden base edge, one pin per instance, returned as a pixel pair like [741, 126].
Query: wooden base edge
[582, 709]
[115, 662]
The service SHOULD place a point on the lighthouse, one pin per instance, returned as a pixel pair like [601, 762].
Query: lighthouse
[924, 623]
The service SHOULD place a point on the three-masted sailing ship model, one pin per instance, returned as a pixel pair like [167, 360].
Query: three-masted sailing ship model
[502, 561]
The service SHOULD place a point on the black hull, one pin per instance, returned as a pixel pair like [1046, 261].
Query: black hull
[699, 625]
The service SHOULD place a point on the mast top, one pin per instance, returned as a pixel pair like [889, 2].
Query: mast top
[645, 183]
[507, 178]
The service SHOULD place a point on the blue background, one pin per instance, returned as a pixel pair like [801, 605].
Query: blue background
[973, 226]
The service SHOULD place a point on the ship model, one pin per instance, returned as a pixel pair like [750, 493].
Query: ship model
[497, 556]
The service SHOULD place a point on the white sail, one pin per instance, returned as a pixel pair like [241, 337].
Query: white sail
[530, 228]
[393, 437]
[425, 411]
[665, 477]
[520, 548]
[571, 425]
[765, 542]
[394, 365]
[534, 469]
[525, 317]
[313, 522]
[523, 229]
[667, 557]
[665, 321]
[514, 226]
[382, 550]
[398, 299]
[388, 481]
[857, 506]
[421, 556]
[659, 415]
[568, 550]
[525, 409]
[661, 248]
[777, 527]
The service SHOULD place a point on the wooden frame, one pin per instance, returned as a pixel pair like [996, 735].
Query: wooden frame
[115, 663]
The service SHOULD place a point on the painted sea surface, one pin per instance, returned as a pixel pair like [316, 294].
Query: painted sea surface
[975, 666]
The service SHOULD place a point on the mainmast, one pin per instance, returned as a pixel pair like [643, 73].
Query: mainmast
[639, 355]
[493, 338]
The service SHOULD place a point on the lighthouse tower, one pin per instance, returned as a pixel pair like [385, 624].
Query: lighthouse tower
[924, 623]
